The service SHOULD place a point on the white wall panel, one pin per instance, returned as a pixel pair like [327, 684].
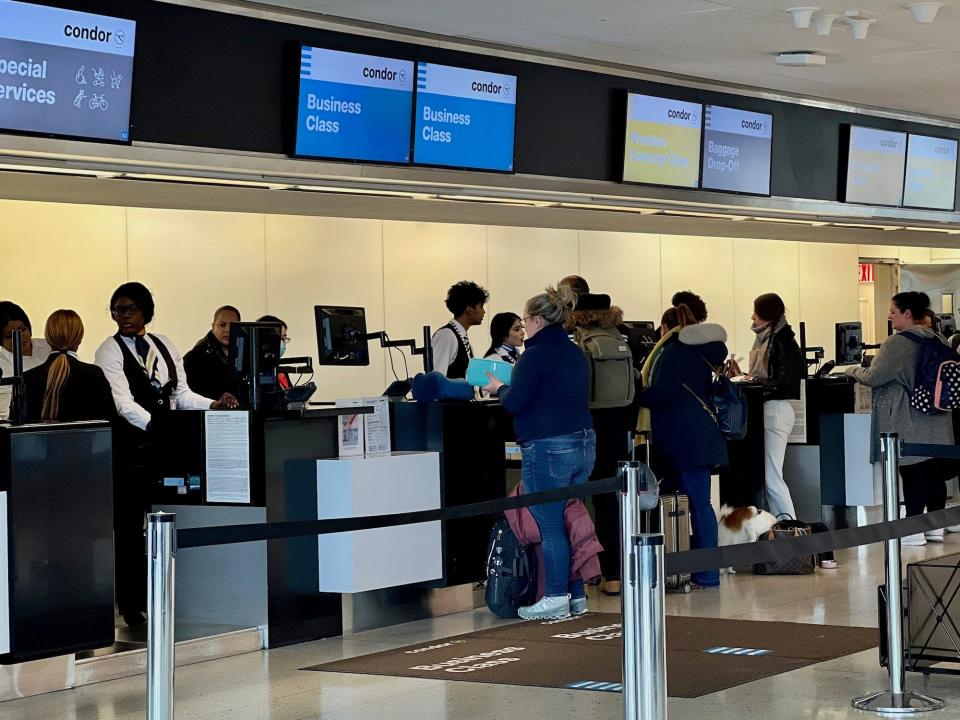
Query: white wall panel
[829, 291]
[420, 262]
[627, 266]
[194, 262]
[705, 266]
[327, 261]
[522, 262]
[63, 256]
[762, 266]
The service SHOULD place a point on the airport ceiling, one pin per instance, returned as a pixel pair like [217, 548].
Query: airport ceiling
[901, 65]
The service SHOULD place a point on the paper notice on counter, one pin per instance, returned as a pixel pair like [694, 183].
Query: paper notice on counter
[350, 441]
[377, 426]
[863, 399]
[228, 456]
[799, 433]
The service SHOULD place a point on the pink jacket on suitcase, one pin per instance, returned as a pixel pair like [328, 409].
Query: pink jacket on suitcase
[584, 546]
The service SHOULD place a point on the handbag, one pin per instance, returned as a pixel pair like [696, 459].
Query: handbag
[729, 409]
[786, 528]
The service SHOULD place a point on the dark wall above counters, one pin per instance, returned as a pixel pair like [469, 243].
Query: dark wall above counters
[218, 80]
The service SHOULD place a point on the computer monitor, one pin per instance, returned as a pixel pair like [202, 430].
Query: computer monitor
[849, 342]
[254, 357]
[642, 336]
[342, 335]
[947, 323]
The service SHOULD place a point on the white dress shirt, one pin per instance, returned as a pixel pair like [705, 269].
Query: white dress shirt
[444, 345]
[109, 358]
[41, 351]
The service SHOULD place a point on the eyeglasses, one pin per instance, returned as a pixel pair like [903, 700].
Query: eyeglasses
[124, 310]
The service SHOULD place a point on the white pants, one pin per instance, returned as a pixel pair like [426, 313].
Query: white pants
[778, 419]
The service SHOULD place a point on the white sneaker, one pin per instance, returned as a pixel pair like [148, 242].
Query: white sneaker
[556, 607]
[934, 536]
[916, 539]
[578, 606]
[953, 529]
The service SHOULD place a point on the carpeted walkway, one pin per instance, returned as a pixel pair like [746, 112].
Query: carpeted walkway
[704, 655]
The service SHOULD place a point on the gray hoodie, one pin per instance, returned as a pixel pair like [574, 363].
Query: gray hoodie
[891, 375]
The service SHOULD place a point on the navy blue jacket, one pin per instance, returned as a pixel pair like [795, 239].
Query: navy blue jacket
[684, 435]
[547, 394]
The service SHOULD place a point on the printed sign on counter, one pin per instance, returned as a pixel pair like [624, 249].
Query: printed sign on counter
[364, 433]
[350, 442]
[4, 579]
[376, 426]
[228, 456]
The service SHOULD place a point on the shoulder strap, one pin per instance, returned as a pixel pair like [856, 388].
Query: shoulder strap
[165, 354]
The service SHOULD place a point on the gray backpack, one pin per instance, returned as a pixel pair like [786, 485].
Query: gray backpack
[610, 372]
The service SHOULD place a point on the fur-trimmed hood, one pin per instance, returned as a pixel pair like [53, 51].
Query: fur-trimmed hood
[606, 318]
[702, 334]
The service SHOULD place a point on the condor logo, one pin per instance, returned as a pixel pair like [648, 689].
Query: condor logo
[890, 143]
[94, 33]
[384, 73]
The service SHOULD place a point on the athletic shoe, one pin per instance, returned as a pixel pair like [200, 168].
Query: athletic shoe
[828, 564]
[556, 607]
[916, 539]
[934, 536]
[953, 528]
[578, 606]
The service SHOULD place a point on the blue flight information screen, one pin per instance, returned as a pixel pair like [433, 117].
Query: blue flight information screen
[465, 118]
[353, 106]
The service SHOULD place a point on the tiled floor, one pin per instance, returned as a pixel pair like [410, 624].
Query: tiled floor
[269, 685]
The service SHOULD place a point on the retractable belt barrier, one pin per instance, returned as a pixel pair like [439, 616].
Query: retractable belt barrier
[683, 562]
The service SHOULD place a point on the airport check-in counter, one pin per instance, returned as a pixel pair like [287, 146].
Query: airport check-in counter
[302, 588]
[56, 540]
[202, 460]
[469, 438]
[827, 465]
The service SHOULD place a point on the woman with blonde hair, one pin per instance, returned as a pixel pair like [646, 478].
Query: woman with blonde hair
[547, 396]
[65, 389]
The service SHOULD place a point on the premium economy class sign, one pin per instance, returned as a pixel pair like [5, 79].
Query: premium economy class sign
[875, 166]
[663, 141]
[64, 72]
[353, 106]
[465, 118]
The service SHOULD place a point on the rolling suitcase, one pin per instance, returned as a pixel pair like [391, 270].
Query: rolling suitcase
[672, 518]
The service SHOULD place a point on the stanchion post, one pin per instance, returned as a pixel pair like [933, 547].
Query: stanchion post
[649, 638]
[161, 557]
[629, 473]
[896, 700]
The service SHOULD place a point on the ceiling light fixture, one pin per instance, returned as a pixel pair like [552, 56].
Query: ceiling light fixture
[801, 16]
[859, 22]
[823, 24]
[924, 12]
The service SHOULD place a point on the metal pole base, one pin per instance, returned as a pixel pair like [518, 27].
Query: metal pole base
[905, 703]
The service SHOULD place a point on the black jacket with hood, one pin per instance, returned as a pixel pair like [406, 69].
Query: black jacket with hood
[208, 369]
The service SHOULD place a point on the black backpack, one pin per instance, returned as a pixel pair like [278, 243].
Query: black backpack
[511, 572]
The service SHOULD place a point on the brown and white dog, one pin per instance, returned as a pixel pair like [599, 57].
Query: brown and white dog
[742, 525]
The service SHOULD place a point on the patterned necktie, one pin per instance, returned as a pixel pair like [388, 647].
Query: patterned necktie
[463, 337]
[147, 355]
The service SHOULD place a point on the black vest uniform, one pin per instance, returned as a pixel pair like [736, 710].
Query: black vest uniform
[133, 479]
[458, 368]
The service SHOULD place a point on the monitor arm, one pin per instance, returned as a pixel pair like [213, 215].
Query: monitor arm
[426, 350]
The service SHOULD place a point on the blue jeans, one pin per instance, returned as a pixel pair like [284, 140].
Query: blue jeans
[695, 484]
[551, 463]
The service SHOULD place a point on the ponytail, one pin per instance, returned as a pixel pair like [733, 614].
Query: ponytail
[64, 332]
[57, 377]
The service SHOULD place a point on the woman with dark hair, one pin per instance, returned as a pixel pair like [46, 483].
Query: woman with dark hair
[547, 396]
[506, 335]
[777, 364]
[891, 375]
[687, 443]
[147, 379]
[35, 350]
[65, 389]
